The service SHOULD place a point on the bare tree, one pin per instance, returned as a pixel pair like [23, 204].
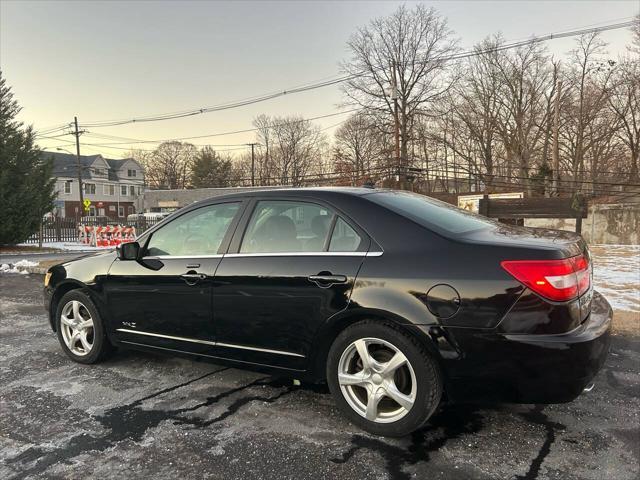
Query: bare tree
[476, 110]
[357, 149]
[264, 168]
[524, 77]
[635, 31]
[624, 101]
[409, 49]
[588, 78]
[298, 145]
[169, 165]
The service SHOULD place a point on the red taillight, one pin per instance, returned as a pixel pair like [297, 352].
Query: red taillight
[558, 280]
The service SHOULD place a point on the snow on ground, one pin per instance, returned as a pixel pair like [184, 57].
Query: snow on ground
[20, 266]
[10, 268]
[616, 274]
[25, 263]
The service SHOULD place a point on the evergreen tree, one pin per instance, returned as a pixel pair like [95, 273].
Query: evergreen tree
[26, 184]
[211, 170]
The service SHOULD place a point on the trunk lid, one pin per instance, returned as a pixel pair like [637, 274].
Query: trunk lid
[536, 242]
[545, 248]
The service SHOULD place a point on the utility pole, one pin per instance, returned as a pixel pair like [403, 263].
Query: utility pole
[253, 164]
[77, 135]
[556, 141]
[394, 97]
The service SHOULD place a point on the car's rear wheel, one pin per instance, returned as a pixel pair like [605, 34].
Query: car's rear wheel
[80, 329]
[383, 379]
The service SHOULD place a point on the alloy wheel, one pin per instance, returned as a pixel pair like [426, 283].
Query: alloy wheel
[377, 380]
[76, 324]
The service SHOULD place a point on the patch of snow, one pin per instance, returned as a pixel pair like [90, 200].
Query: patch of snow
[616, 274]
[25, 263]
[9, 268]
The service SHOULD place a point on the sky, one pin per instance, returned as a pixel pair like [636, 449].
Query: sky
[115, 60]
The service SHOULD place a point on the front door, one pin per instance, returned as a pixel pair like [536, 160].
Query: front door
[164, 299]
[293, 268]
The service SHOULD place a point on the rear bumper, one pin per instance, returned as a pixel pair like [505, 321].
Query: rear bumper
[527, 368]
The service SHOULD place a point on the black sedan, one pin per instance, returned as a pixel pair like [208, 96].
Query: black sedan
[398, 301]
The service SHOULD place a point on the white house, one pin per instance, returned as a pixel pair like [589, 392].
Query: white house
[115, 187]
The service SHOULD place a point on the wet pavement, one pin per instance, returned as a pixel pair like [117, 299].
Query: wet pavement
[146, 416]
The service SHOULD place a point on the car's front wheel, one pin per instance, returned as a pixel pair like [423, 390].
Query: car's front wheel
[80, 329]
[383, 379]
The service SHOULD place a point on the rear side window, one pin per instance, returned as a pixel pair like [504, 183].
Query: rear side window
[344, 238]
[287, 226]
[431, 213]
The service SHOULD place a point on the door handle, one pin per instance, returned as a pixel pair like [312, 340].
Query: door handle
[327, 280]
[192, 277]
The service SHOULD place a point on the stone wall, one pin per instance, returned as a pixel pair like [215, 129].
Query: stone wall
[616, 223]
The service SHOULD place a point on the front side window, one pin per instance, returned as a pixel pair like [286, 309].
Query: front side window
[90, 188]
[123, 190]
[199, 232]
[132, 191]
[287, 226]
[67, 187]
[121, 211]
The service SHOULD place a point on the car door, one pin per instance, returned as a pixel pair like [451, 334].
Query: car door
[292, 265]
[164, 299]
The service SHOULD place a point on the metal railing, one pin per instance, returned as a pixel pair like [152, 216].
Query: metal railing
[66, 229]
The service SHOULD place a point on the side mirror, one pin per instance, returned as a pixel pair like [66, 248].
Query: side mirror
[129, 251]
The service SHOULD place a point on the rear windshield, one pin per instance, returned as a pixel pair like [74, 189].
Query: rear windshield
[431, 213]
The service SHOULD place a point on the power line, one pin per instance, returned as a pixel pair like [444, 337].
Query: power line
[517, 177]
[343, 175]
[142, 141]
[49, 130]
[234, 132]
[503, 183]
[341, 79]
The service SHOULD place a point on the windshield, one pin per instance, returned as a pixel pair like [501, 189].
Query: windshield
[431, 213]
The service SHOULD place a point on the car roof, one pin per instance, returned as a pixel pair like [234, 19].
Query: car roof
[316, 192]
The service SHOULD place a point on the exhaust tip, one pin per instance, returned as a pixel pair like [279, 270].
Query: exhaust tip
[589, 387]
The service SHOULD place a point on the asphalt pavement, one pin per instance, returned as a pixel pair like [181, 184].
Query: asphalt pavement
[146, 416]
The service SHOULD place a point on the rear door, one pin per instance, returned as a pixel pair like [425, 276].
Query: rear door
[292, 265]
[164, 299]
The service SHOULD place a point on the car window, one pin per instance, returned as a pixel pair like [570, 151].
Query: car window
[344, 238]
[199, 232]
[431, 213]
[287, 226]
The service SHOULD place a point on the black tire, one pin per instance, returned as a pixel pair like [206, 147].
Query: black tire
[101, 346]
[428, 391]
